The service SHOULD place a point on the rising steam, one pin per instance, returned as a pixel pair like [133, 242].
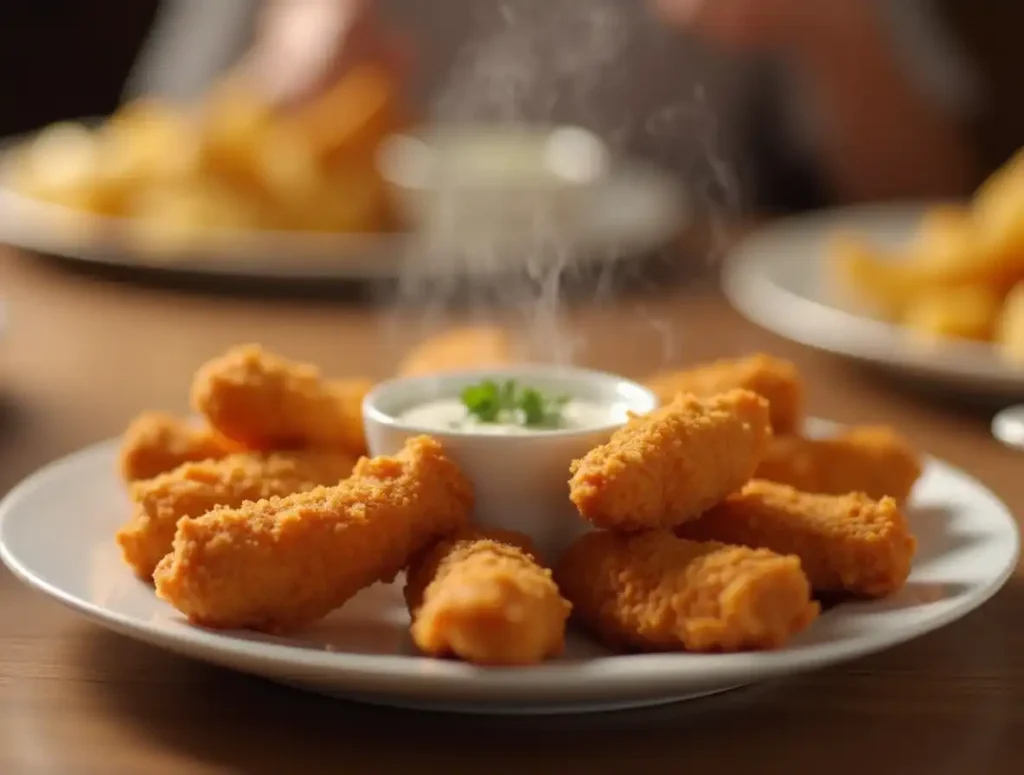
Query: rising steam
[550, 61]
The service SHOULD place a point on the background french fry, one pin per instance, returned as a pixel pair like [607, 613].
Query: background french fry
[954, 277]
[945, 236]
[231, 162]
[964, 312]
[867, 278]
[1011, 327]
[61, 165]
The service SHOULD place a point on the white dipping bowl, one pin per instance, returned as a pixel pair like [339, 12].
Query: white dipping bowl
[520, 480]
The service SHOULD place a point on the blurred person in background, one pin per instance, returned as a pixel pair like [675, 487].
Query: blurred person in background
[815, 101]
[869, 99]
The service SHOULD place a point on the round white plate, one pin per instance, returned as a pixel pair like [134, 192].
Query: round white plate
[638, 209]
[57, 534]
[777, 279]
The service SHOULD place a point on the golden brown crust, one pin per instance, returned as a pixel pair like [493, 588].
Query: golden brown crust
[872, 459]
[193, 489]
[156, 442]
[469, 347]
[483, 597]
[656, 592]
[267, 402]
[776, 380]
[278, 564]
[846, 543]
[672, 464]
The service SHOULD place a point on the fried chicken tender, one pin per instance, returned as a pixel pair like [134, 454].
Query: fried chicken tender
[278, 564]
[671, 465]
[156, 442]
[193, 489]
[267, 402]
[484, 597]
[874, 460]
[469, 347]
[777, 380]
[657, 592]
[846, 543]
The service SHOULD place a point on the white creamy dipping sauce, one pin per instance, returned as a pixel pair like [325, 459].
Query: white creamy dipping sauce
[450, 414]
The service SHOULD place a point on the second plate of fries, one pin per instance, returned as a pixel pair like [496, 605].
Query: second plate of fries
[225, 184]
[932, 289]
[229, 186]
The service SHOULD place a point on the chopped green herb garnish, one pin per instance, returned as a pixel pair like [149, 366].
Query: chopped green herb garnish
[490, 402]
[485, 400]
[507, 399]
[532, 404]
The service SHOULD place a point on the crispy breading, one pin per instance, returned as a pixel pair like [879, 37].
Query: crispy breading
[156, 442]
[657, 592]
[846, 543]
[672, 464]
[485, 598]
[776, 380]
[193, 489]
[468, 347]
[268, 402]
[278, 564]
[875, 460]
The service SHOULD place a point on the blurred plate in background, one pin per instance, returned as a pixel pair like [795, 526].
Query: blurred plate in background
[633, 210]
[777, 279]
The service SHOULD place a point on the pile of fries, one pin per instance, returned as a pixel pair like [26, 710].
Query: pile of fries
[229, 163]
[961, 276]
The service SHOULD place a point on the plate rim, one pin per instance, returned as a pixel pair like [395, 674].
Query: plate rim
[619, 675]
[750, 286]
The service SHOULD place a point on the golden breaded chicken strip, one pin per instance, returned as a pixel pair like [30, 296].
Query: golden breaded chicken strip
[278, 564]
[874, 460]
[193, 489]
[483, 597]
[671, 465]
[469, 347]
[267, 402]
[656, 592]
[775, 379]
[846, 543]
[156, 442]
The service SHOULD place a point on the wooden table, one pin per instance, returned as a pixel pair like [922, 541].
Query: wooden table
[80, 357]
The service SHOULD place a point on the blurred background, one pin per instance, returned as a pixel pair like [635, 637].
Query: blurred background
[682, 94]
[255, 137]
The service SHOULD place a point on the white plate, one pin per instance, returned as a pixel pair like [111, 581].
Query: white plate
[776, 278]
[637, 210]
[57, 534]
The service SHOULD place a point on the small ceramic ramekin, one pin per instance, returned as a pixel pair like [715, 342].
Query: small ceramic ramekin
[520, 480]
